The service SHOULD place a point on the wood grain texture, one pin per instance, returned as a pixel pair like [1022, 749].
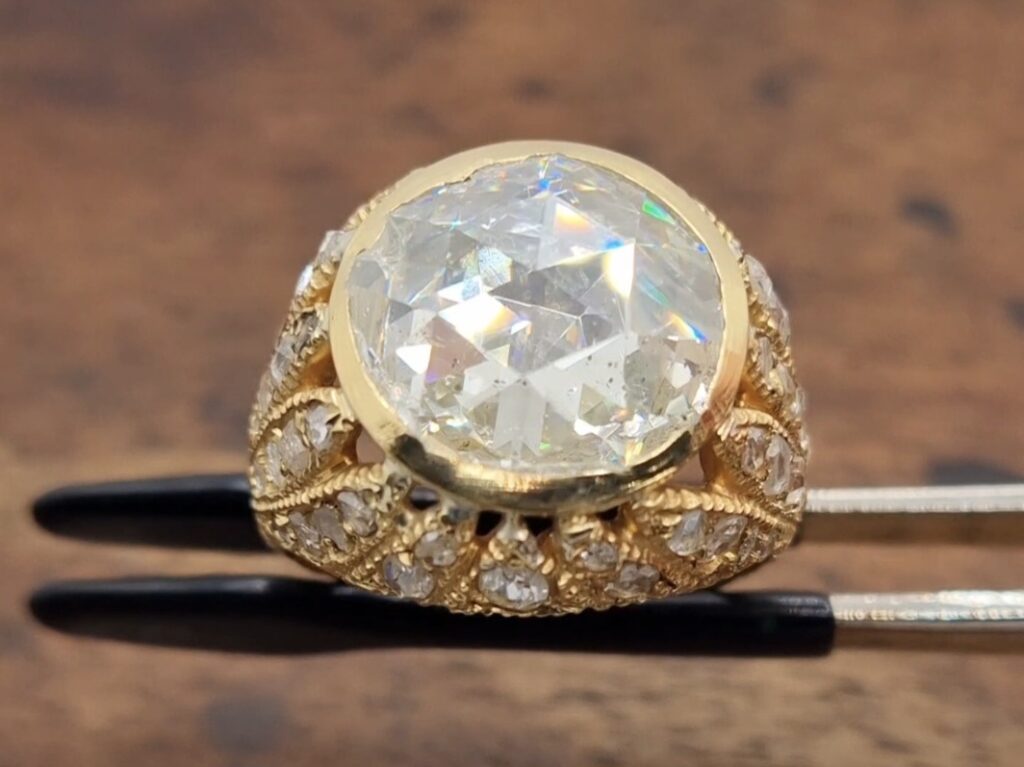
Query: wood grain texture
[167, 168]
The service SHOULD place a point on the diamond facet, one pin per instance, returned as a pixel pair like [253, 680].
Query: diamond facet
[359, 517]
[332, 247]
[634, 580]
[755, 546]
[545, 315]
[514, 587]
[780, 466]
[765, 356]
[781, 381]
[764, 291]
[284, 358]
[724, 535]
[753, 456]
[305, 280]
[325, 519]
[413, 581]
[308, 537]
[265, 394]
[319, 427]
[437, 548]
[295, 453]
[599, 556]
[688, 537]
[309, 327]
[594, 555]
[796, 500]
[275, 464]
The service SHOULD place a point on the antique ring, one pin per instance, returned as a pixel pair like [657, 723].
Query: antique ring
[530, 379]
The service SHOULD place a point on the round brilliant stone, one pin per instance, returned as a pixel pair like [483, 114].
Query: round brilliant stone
[545, 315]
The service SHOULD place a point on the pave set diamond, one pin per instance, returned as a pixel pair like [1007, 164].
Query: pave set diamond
[301, 443]
[305, 334]
[546, 316]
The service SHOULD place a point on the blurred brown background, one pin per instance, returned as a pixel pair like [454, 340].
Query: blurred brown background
[167, 168]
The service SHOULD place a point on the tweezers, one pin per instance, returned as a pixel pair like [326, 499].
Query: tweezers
[278, 615]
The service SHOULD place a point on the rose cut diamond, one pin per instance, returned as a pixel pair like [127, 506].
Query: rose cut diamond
[544, 315]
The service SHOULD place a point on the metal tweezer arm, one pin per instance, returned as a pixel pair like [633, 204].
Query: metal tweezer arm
[286, 615]
[988, 514]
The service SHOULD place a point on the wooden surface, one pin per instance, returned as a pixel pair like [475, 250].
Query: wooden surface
[167, 168]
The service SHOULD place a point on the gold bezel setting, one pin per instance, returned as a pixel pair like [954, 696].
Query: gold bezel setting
[486, 487]
[422, 524]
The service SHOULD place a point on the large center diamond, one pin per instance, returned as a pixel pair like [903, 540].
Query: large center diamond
[546, 316]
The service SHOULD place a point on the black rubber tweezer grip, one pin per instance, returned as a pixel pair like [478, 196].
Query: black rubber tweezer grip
[291, 616]
[210, 511]
[283, 615]
[205, 511]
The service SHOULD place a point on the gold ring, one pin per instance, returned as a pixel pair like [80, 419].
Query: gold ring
[530, 379]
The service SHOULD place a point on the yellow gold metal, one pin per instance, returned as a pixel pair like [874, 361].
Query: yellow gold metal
[410, 518]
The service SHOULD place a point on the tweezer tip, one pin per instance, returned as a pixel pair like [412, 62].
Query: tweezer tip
[49, 603]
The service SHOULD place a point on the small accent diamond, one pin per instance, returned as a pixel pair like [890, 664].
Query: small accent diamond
[765, 294]
[356, 514]
[437, 548]
[308, 328]
[798, 405]
[305, 280]
[760, 281]
[413, 580]
[284, 358]
[797, 499]
[319, 426]
[294, 452]
[688, 537]
[765, 357]
[332, 248]
[805, 441]
[307, 536]
[594, 555]
[514, 540]
[598, 556]
[779, 457]
[634, 580]
[781, 381]
[275, 462]
[265, 394]
[724, 535]
[754, 547]
[780, 317]
[515, 588]
[325, 519]
[754, 449]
